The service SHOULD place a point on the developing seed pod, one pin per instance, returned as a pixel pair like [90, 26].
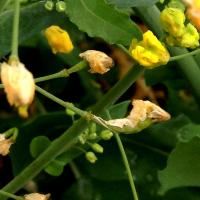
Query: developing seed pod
[36, 196]
[98, 61]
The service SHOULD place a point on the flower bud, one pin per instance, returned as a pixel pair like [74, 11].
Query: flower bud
[60, 6]
[106, 135]
[172, 20]
[92, 128]
[97, 148]
[91, 157]
[92, 136]
[149, 52]
[98, 61]
[58, 40]
[5, 145]
[70, 112]
[36, 196]
[49, 5]
[18, 83]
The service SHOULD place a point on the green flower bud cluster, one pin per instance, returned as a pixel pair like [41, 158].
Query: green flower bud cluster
[178, 33]
[91, 138]
[60, 6]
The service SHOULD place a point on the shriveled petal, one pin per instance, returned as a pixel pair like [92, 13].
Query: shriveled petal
[98, 61]
[5, 145]
[18, 83]
[36, 196]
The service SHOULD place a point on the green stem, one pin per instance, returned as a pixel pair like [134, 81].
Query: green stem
[75, 170]
[62, 74]
[3, 5]
[125, 160]
[192, 53]
[188, 66]
[69, 137]
[7, 194]
[126, 164]
[15, 31]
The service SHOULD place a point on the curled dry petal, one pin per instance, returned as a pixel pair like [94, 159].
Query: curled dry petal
[36, 196]
[18, 83]
[98, 61]
[5, 145]
[143, 114]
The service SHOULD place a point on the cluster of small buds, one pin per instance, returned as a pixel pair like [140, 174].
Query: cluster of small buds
[60, 6]
[178, 32]
[91, 138]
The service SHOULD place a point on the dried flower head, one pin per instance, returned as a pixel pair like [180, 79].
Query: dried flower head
[5, 145]
[143, 114]
[36, 196]
[58, 40]
[18, 83]
[98, 61]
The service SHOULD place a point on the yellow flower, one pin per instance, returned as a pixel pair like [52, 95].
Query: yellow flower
[149, 52]
[19, 85]
[98, 61]
[172, 20]
[58, 39]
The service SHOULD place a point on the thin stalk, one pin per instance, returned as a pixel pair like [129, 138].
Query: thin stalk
[61, 74]
[127, 166]
[7, 194]
[192, 53]
[125, 161]
[75, 170]
[69, 137]
[15, 31]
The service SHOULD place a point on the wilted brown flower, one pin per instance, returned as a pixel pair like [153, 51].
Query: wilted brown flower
[18, 83]
[143, 114]
[36, 196]
[98, 61]
[5, 145]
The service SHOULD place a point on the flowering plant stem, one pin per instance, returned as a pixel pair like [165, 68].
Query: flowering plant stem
[188, 66]
[3, 5]
[68, 138]
[7, 194]
[15, 31]
[125, 160]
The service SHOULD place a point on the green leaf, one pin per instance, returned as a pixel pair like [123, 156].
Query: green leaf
[34, 18]
[132, 3]
[38, 145]
[98, 19]
[183, 166]
[55, 168]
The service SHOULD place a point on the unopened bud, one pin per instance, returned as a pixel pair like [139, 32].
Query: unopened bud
[70, 112]
[92, 136]
[91, 157]
[49, 5]
[97, 148]
[106, 135]
[36, 196]
[60, 6]
[92, 128]
[98, 61]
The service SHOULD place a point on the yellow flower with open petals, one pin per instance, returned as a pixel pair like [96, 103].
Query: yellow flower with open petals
[58, 40]
[149, 52]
